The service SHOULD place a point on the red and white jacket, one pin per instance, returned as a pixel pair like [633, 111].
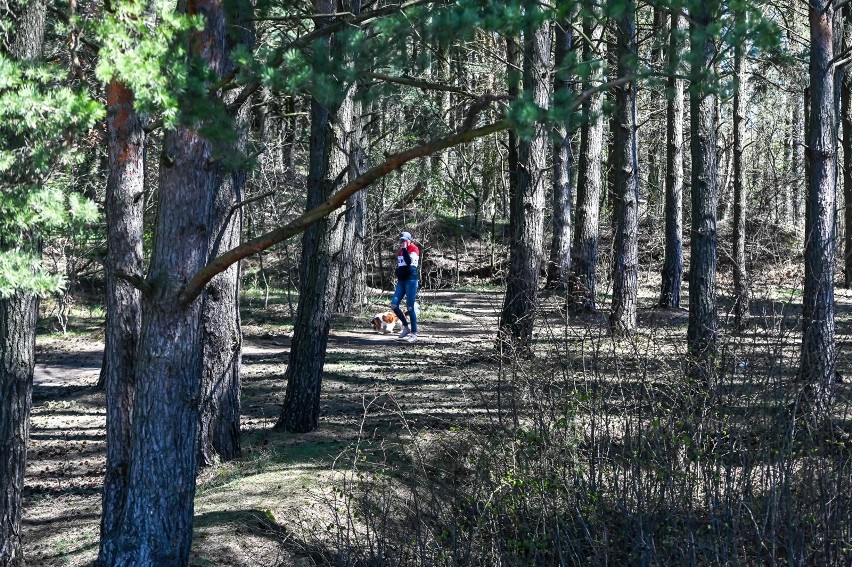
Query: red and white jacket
[408, 262]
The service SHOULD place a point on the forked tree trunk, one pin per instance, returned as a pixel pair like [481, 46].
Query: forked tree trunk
[18, 314]
[331, 140]
[124, 190]
[672, 273]
[527, 208]
[584, 248]
[559, 266]
[818, 346]
[701, 330]
[622, 317]
[741, 286]
[156, 519]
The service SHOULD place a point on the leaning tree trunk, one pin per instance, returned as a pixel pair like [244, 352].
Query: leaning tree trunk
[18, 314]
[331, 133]
[156, 518]
[221, 335]
[527, 208]
[124, 191]
[741, 287]
[672, 272]
[622, 317]
[559, 266]
[701, 330]
[584, 248]
[818, 346]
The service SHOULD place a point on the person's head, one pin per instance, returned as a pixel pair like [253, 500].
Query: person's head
[404, 237]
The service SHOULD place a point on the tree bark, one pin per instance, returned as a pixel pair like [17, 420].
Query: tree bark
[559, 266]
[798, 158]
[18, 314]
[701, 330]
[622, 318]
[672, 272]
[156, 519]
[331, 141]
[584, 248]
[513, 89]
[527, 209]
[846, 116]
[124, 191]
[818, 346]
[221, 335]
[741, 285]
[352, 288]
[17, 346]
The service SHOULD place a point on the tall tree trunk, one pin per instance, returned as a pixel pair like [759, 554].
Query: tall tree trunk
[846, 115]
[527, 209]
[156, 522]
[818, 346]
[124, 191]
[701, 330]
[672, 273]
[352, 288]
[655, 141]
[559, 266]
[331, 140]
[156, 519]
[741, 286]
[622, 318]
[584, 248]
[18, 314]
[17, 347]
[798, 164]
[513, 89]
[221, 335]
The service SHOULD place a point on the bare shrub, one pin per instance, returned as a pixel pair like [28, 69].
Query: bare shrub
[601, 451]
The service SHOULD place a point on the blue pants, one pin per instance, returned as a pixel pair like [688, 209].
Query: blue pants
[407, 289]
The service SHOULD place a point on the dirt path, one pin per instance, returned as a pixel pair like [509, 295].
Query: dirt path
[370, 381]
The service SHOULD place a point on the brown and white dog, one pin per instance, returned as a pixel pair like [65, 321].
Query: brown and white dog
[386, 322]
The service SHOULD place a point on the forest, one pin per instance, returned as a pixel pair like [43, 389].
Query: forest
[627, 225]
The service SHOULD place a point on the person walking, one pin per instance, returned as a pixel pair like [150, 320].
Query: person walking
[407, 276]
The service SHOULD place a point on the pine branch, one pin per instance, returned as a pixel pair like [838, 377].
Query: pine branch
[306, 39]
[393, 162]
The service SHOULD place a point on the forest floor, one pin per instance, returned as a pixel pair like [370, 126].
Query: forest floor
[282, 502]
[371, 380]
